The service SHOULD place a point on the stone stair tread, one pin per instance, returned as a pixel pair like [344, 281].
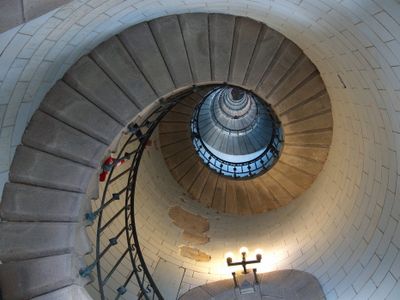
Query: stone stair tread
[221, 38]
[37, 276]
[310, 166]
[317, 138]
[207, 194]
[91, 81]
[141, 45]
[195, 33]
[244, 42]
[294, 79]
[183, 168]
[286, 57]
[314, 153]
[320, 121]
[167, 33]
[197, 187]
[291, 187]
[306, 91]
[307, 110]
[72, 292]
[34, 167]
[299, 176]
[242, 199]
[280, 194]
[67, 105]
[176, 159]
[188, 179]
[44, 239]
[219, 199]
[113, 57]
[264, 53]
[25, 203]
[50, 135]
[174, 148]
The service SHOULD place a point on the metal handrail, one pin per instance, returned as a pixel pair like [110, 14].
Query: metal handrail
[130, 154]
[138, 138]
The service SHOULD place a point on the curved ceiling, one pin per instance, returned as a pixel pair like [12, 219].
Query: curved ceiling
[346, 230]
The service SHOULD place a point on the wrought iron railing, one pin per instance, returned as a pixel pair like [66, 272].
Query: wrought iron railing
[124, 170]
[117, 243]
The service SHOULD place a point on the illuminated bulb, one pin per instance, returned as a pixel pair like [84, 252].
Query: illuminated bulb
[243, 250]
[228, 255]
[258, 251]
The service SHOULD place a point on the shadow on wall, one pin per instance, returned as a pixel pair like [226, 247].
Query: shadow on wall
[282, 285]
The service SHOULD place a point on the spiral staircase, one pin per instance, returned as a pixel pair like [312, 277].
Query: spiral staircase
[85, 117]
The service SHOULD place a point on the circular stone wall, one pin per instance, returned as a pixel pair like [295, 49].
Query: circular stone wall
[346, 230]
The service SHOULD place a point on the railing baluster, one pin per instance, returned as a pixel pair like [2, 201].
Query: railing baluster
[139, 133]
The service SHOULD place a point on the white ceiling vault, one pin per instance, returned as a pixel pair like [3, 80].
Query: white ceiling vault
[345, 230]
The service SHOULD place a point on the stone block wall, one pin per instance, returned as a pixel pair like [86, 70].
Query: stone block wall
[345, 230]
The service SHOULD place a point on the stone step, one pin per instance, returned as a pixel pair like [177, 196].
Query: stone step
[140, 43]
[26, 203]
[219, 200]
[114, 59]
[221, 28]
[242, 198]
[175, 148]
[44, 239]
[279, 193]
[68, 106]
[315, 106]
[288, 54]
[270, 202]
[188, 179]
[244, 42]
[294, 174]
[184, 167]
[72, 292]
[198, 185]
[302, 72]
[179, 157]
[29, 278]
[167, 138]
[314, 153]
[168, 35]
[319, 121]
[231, 198]
[291, 187]
[207, 194]
[301, 94]
[91, 81]
[257, 200]
[50, 135]
[195, 33]
[267, 47]
[175, 116]
[34, 167]
[321, 138]
[310, 166]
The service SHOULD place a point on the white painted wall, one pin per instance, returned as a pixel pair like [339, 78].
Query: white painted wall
[345, 229]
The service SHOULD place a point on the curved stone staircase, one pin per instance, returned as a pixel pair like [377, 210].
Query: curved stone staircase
[297, 94]
[54, 174]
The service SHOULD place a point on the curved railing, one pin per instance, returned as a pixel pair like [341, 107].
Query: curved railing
[126, 238]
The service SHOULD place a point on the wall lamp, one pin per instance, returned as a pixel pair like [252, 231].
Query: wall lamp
[244, 262]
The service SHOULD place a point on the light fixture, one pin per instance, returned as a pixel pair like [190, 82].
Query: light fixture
[244, 287]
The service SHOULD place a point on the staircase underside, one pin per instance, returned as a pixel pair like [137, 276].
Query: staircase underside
[260, 59]
[74, 129]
